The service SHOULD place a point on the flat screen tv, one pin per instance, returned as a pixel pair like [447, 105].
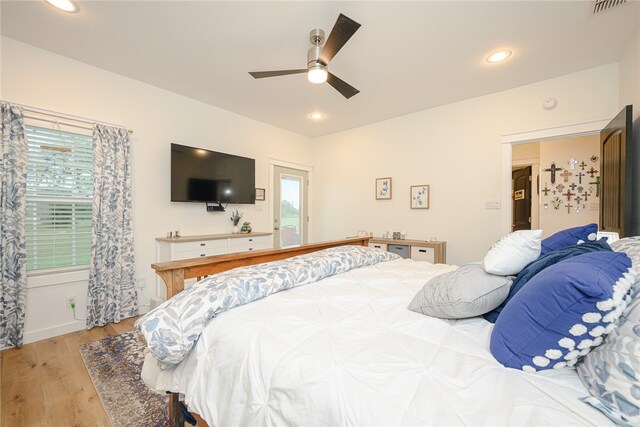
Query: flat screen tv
[199, 175]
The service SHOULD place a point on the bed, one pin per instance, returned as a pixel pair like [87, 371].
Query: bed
[346, 351]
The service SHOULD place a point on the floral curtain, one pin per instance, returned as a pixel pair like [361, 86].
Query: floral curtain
[112, 293]
[13, 248]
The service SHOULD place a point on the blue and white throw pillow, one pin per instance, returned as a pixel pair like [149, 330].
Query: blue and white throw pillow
[542, 263]
[611, 372]
[568, 237]
[631, 247]
[563, 312]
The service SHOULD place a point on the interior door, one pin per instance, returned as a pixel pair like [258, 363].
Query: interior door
[290, 213]
[617, 187]
[521, 183]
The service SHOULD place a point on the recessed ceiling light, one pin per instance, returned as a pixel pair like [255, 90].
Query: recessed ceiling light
[66, 5]
[316, 116]
[498, 56]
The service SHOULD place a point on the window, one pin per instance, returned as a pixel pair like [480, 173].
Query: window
[59, 198]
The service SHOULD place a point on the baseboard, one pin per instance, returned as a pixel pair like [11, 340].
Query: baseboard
[53, 331]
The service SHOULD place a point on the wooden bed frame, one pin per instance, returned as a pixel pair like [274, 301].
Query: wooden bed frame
[174, 273]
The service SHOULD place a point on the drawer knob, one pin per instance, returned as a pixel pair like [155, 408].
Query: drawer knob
[250, 249]
[251, 240]
[202, 244]
[202, 255]
[422, 250]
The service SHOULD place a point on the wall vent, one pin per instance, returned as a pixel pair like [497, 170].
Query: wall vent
[602, 5]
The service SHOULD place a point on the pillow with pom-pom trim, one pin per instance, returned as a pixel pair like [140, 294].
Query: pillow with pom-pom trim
[568, 237]
[563, 312]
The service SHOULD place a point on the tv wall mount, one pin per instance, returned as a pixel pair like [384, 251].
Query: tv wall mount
[215, 207]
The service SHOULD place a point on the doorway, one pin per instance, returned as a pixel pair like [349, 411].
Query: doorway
[290, 207]
[524, 139]
[521, 183]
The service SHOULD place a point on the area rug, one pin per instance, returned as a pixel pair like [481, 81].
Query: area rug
[114, 365]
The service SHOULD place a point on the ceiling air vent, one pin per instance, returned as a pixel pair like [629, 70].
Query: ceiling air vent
[602, 5]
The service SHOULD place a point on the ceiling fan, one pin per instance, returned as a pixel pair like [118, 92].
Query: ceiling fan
[319, 56]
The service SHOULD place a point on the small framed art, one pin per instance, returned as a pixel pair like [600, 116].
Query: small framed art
[419, 197]
[383, 188]
[260, 193]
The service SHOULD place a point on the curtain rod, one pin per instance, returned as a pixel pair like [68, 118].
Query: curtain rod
[55, 122]
[64, 116]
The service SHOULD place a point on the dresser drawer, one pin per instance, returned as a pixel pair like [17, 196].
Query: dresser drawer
[243, 244]
[382, 246]
[419, 253]
[214, 247]
[197, 253]
[402, 250]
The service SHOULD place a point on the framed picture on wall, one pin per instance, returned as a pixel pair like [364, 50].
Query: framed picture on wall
[260, 194]
[383, 188]
[419, 197]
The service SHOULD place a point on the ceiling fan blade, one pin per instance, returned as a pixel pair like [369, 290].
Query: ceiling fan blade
[341, 86]
[342, 31]
[263, 74]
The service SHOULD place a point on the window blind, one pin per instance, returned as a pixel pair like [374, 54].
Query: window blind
[59, 198]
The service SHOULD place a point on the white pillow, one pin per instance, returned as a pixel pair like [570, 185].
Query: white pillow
[513, 252]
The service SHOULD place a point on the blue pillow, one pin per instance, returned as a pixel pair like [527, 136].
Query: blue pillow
[562, 312]
[540, 264]
[568, 237]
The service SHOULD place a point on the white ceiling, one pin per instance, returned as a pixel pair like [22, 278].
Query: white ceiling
[406, 57]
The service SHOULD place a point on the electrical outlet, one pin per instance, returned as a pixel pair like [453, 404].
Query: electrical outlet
[71, 300]
[141, 282]
[492, 204]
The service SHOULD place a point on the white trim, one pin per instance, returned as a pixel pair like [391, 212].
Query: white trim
[568, 131]
[55, 278]
[525, 162]
[309, 169]
[290, 165]
[558, 132]
[53, 331]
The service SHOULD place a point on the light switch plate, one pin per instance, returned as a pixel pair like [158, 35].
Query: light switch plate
[492, 204]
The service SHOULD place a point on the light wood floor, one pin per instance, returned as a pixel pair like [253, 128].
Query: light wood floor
[46, 383]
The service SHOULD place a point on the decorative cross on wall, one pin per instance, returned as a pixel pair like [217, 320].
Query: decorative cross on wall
[597, 184]
[553, 169]
[582, 165]
[569, 206]
[586, 196]
[556, 203]
[566, 174]
[546, 189]
[573, 186]
[572, 163]
[578, 201]
[592, 172]
[560, 187]
[568, 194]
[580, 175]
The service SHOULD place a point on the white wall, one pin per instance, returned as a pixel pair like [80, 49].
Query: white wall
[42, 79]
[560, 151]
[630, 94]
[456, 149]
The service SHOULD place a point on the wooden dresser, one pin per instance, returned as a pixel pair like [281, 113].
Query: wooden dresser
[434, 252]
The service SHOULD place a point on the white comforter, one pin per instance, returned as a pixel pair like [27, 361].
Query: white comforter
[346, 351]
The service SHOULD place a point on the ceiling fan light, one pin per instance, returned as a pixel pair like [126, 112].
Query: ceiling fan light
[317, 74]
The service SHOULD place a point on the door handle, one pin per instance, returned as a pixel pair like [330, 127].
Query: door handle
[276, 228]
